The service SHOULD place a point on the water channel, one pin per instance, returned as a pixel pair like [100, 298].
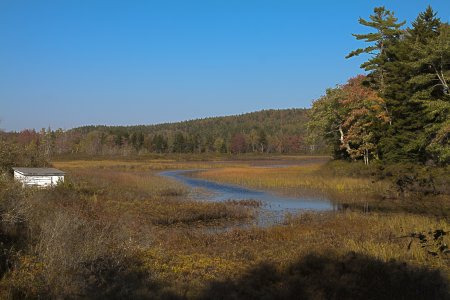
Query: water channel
[273, 209]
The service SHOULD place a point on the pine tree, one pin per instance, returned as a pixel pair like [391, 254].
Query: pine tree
[431, 66]
[424, 27]
[159, 143]
[388, 31]
[408, 68]
[430, 86]
[179, 143]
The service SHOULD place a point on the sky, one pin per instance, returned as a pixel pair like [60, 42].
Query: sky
[66, 63]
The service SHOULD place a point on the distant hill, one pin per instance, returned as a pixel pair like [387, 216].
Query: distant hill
[273, 131]
[281, 130]
[272, 121]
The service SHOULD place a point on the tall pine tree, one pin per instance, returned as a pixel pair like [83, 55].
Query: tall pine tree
[387, 32]
[430, 86]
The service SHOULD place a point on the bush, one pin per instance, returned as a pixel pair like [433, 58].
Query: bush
[53, 243]
[13, 155]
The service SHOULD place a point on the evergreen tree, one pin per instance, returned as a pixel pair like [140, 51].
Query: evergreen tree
[414, 88]
[140, 140]
[431, 66]
[424, 27]
[159, 143]
[430, 86]
[387, 32]
[179, 143]
[408, 69]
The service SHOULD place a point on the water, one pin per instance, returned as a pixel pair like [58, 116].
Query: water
[274, 207]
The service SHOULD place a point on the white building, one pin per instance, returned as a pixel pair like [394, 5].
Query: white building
[42, 177]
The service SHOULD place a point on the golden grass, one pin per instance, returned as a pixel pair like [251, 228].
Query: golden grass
[175, 163]
[190, 260]
[144, 165]
[299, 180]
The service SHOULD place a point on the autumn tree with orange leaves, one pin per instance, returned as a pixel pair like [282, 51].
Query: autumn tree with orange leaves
[351, 117]
[364, 119]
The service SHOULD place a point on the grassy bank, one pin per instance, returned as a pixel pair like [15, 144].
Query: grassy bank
[398, 188]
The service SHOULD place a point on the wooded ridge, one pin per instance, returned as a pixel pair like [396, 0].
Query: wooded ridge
[273, 131]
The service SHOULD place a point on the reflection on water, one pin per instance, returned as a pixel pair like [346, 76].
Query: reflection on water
[274, 207]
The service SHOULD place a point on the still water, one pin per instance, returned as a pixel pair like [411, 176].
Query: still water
[274, 207]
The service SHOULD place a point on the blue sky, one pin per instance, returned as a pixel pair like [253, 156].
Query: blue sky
[72, 63]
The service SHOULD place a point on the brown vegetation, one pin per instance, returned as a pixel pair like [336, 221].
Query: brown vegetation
[402, 187]
[116, 229]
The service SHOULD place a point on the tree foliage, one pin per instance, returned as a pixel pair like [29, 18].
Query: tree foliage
[272, 131]
[364, 120]
[401, 110]
[387, 33]
[350, 117]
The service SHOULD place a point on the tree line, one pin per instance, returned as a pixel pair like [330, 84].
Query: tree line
[400, 110]
[267, 131]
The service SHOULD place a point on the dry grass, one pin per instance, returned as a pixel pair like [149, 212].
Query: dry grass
[352, 186]
[190, 260]
[116, 229]
[195, 162]
[96, 222]
[151, 199]
[141, 165]
[300, 180]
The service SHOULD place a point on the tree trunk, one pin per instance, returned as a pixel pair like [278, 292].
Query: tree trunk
[343, 143]
[366, 157]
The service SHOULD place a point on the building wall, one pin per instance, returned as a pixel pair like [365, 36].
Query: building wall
[57, 179]
[38, 180]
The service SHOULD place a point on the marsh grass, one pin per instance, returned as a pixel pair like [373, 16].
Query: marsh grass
[331, 276]
[97, 220]
[190, 260]
[180, 162]
[245, 202]
[153, 198]
[141, 165]
[350, 185]
[118, 230]
[299, 181]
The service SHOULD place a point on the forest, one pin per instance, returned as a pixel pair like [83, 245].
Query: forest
[400, 110]
[267, 131]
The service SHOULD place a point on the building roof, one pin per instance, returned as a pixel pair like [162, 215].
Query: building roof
[39, 171]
